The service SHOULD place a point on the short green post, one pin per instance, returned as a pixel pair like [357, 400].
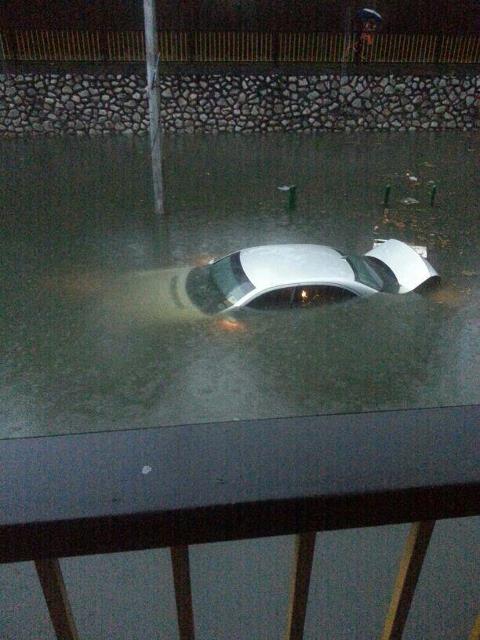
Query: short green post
[386, 197]
[292, 197]
[432, 194]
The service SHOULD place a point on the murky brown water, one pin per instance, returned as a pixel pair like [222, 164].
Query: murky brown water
[85, 346]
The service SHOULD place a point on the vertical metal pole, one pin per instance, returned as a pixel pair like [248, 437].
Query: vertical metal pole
[153, 92]
[53, 586]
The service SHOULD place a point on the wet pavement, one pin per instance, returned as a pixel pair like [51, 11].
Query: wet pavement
[87, 344]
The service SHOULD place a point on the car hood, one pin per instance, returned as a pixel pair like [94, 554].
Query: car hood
[410, 269]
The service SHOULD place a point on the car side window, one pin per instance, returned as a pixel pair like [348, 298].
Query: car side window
[277, 299]
[318, 295]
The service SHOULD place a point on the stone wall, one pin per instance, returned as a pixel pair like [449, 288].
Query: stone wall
[95, 104]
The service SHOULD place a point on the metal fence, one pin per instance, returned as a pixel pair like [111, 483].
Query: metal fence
[278, 478]
[234, 46]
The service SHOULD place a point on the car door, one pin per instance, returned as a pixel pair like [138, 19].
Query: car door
[276, 299]
[320, 295]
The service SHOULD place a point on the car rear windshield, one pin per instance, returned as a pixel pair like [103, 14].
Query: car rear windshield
[217, 286]
[365, 273]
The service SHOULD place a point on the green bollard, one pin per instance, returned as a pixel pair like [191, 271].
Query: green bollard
[432, 194]
[292, 197]
[386, 197]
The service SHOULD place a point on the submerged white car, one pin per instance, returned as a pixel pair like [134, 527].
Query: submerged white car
[269, 277]
[300, 275]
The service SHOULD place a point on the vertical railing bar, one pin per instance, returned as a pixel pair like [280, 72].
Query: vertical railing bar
[76, 45]
[461, 53]
[37, 46]
[468, 52]
[426, 48]
[316, 46]
[84, 46]
[6, 44]
[61, 48]
[398, 48]
[98, 54]
[424, 52]
[474, 42]
[420, 51]
[458, 48]
[80, 51]
[70, 44]
[408, 47]
[394, 55]
[53, 48]
[66, 48]
[414, 40]
[465, 47]
[3, 46]
[17, 44]
[89, 44]
[304, 552]
[403, 54]
[477, 50]
[383, 52]
[183, 592]
[373, 49]
[55, 593]
[445, 49]
[28, 45]
[451, 41]
[388, 46]
[48, 46]
[453, 49]
[475, 632]
[410, 566]
[378, 47]
[468, 43]
[431, 48]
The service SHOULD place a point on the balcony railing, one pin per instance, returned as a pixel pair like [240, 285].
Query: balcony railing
[235, 46]
[172, 487]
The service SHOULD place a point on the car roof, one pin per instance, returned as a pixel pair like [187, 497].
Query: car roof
[279, 265]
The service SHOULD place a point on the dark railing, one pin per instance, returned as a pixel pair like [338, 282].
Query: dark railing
[236, 46]
[172, 487]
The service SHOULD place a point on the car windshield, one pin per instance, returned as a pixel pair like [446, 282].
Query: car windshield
[365, 272]
[217, 286]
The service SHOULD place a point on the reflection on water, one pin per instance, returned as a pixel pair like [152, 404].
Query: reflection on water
[92, 340]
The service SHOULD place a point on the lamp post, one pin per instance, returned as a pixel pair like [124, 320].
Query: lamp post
[153, 94]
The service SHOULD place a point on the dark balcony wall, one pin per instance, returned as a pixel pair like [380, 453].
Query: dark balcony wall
[265, 15]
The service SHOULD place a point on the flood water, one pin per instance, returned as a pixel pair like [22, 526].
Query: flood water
[87, 344]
